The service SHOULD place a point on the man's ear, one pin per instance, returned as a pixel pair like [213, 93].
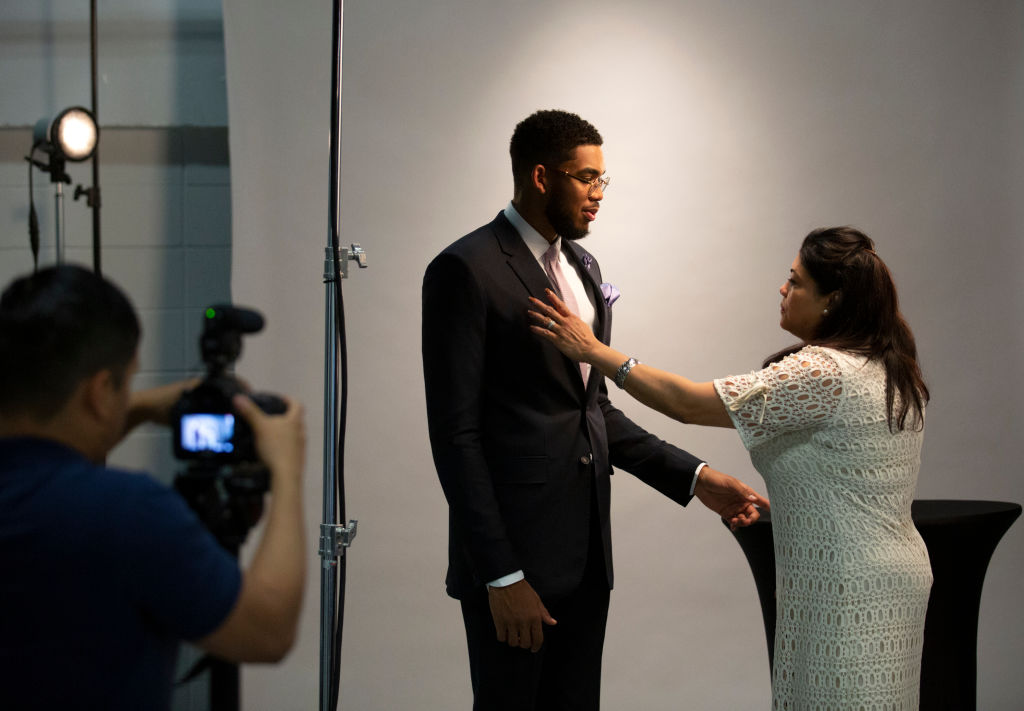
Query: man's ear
[539, 178]
[99, 395]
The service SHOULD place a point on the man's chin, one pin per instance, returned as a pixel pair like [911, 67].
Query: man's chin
[575, 233]
[565, 226]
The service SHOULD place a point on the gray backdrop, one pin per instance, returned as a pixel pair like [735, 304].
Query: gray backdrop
[732, 128]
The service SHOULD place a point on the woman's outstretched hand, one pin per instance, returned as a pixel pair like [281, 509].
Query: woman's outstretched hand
[560, 326]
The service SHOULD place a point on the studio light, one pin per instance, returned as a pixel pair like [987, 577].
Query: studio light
[71, 135]
[74, 133]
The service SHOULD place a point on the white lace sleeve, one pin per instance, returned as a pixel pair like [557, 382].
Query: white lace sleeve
[802, 390]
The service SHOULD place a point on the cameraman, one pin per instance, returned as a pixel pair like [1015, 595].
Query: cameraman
[104, 572]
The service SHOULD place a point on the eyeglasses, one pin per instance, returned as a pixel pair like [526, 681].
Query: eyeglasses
[599, 182]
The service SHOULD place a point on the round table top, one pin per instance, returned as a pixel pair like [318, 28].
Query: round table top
[938, 511]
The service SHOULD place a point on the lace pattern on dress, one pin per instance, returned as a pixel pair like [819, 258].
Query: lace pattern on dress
[800, 391]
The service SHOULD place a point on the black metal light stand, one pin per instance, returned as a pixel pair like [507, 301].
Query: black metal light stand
[335, 537]
[48, 138]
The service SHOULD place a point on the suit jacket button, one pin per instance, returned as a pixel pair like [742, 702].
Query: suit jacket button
[586, 459]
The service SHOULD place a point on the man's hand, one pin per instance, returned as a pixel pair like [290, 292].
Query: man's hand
[154, 404]
[729, 497]
[519, 615]
[280, 439]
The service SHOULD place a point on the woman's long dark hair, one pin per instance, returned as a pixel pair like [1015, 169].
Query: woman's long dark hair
[864, 316]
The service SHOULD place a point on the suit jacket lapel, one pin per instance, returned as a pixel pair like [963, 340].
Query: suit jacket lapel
[520, 259]
[586, 266]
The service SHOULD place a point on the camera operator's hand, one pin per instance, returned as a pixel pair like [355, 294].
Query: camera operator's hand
[262, 625]
[155, 404]
[280, 439]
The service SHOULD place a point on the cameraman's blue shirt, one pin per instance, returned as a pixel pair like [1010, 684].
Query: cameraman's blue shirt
[102, 573]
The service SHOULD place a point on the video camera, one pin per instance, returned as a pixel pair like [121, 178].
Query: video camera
[224, 482]
[206, 427]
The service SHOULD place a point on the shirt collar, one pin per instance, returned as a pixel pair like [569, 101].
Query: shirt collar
[533, 239]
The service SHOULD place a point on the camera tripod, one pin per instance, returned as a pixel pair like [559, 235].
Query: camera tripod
[229, 502]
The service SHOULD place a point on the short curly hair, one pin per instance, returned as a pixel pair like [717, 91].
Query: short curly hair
[548, 137]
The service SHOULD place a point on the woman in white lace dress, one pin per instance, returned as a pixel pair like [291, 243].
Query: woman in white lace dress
[835, 427]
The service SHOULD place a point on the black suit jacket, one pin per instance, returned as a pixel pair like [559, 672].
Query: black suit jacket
[519, 443]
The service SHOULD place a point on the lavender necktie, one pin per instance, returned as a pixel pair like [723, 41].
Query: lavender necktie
[557, 277]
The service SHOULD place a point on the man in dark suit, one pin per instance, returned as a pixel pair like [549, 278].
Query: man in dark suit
[524, 441]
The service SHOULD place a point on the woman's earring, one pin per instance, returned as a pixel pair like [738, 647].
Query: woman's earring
[825, 312]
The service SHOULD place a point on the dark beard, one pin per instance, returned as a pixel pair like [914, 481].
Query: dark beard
[560, 217]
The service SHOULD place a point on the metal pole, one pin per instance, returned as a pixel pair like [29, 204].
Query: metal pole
[328, 569]
[332, 567]
[58, 220]
[95, 198]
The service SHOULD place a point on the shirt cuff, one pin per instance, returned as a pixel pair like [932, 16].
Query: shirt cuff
[696, 476]
[506, 580]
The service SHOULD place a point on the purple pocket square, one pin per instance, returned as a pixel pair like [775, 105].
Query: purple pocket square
[610, 293]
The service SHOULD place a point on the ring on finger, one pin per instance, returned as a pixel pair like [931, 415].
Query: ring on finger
[550, 325]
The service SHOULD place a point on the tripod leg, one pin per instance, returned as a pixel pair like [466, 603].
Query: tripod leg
[223, 685]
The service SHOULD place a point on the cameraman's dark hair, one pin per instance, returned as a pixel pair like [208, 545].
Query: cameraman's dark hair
[548, 137]
[864, 315]
[58, 327]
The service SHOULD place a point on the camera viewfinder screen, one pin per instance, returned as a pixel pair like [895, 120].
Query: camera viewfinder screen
[207, 432]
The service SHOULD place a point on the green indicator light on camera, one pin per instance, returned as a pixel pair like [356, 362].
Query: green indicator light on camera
[210, 313]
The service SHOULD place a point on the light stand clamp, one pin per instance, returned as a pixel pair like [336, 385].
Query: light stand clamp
[92, 195]
[354, 253]
[334, 539]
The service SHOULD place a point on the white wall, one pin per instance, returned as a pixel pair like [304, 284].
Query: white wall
[731, 128]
